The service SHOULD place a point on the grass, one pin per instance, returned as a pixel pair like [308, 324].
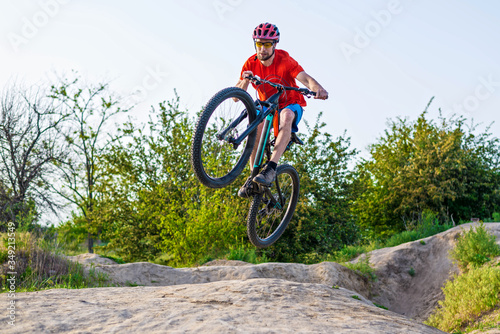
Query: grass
[488, 320]
[362, 266]
[472, 297]
[474, 248]
[467, 297]
[428, 227]
[380, 306]
[495, 218]
[240, 252]
[39, 267]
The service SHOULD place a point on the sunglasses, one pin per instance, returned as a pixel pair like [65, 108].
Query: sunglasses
[265, 44]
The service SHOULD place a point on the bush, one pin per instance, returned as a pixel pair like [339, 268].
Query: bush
[38, 267]
[426, 227]
[350, 252]
[466, 297]
[362, 266]
[474, 248]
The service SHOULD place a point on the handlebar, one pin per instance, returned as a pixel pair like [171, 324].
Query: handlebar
[258, 81]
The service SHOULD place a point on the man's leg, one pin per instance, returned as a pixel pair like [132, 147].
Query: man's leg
[287, 117]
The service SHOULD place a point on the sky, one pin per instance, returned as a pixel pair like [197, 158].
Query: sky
[378, 59]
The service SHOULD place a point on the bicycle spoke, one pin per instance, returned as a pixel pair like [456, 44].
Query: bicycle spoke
[219, 156]
[272, 210]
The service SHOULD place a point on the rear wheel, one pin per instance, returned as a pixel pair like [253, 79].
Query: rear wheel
[216, 162]
[270, 213]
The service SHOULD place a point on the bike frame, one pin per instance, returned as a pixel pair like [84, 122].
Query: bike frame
[266, 116]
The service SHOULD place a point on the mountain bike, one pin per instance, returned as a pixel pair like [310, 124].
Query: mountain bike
[223, 141]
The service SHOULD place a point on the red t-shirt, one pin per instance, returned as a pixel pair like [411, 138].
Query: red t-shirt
[283, 70]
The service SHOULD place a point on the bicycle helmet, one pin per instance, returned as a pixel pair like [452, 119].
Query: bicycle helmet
[267, 31]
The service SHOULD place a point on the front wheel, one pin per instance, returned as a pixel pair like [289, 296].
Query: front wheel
[272, 210]
[216, 162]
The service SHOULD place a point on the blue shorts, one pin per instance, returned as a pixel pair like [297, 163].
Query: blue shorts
[297, 109]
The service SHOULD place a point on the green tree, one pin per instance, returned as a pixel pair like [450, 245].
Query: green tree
[87, 112]
[152, 201]
[423, 165]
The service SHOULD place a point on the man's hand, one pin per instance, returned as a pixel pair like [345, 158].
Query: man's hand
[244, 82]
[321, 93]
[246, 74]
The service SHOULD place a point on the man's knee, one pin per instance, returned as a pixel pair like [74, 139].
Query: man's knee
[287, 116]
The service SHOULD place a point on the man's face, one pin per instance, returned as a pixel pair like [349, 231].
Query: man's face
[264, 48]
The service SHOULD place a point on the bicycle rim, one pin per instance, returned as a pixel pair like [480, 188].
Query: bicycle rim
[216, 162]
[268, 218]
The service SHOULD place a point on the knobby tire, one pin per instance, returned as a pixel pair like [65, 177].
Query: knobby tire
[265, 225]
[216, 163]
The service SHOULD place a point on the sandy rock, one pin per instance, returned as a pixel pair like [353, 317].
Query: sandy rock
[242, 306]
[91, 259]
[233, 296]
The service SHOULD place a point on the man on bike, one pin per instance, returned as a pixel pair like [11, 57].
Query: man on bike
[271, 63]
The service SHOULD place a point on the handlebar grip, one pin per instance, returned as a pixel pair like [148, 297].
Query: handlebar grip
[306, 91]
[254, 78]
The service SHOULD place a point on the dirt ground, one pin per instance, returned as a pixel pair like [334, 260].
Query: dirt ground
[234, 296]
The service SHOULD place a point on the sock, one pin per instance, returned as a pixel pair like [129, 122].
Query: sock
[272, 164]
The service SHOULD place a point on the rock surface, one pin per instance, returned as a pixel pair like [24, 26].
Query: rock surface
[242, 306]
[233, 296]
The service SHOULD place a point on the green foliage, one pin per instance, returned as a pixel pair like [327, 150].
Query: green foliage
[426, 165]
[362, 266]
[23, 213]
[428, 227]
[87, 112]
[349, 252]
[39, 267]
[467, 296]
[246, 254]
[380, 306]
[474, 248]
[152, 205]
[73, 233]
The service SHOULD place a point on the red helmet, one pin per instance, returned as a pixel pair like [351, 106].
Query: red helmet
[266, 31]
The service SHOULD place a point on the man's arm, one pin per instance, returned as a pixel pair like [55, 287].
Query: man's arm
[313, 85]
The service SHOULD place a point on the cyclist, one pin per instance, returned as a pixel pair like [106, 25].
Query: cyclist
[267, 63]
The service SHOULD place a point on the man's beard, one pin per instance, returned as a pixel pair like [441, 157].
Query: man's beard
[266, 58]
